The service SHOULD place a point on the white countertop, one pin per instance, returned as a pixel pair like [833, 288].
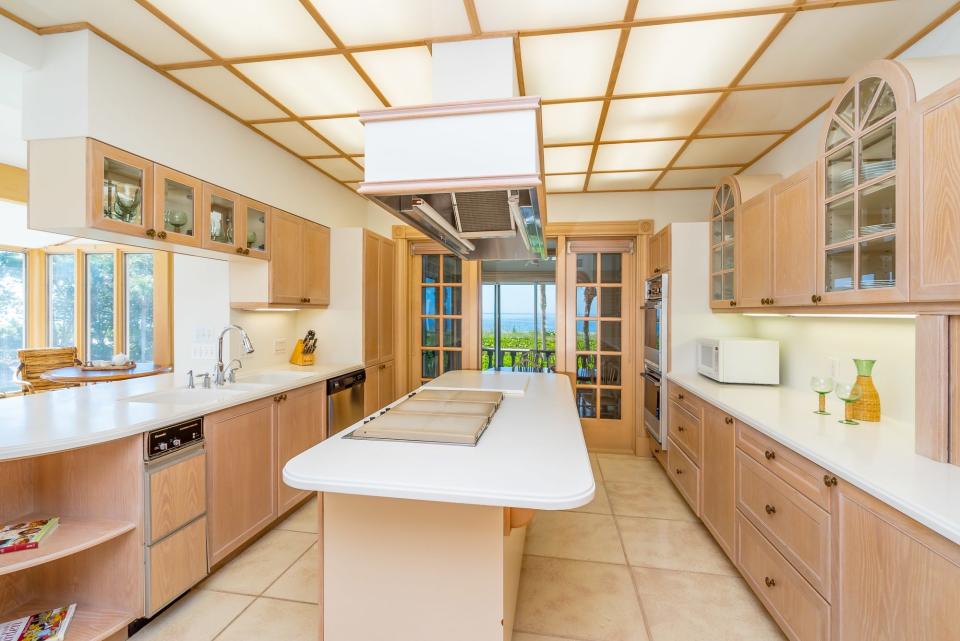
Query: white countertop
[878, 458]
[60, 420]
[532, 455]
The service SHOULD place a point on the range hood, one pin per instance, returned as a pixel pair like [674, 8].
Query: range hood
[467, 174]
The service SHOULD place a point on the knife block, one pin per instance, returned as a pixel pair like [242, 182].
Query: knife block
[299, 358]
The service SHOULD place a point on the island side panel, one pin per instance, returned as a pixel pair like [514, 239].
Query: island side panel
[410, 570]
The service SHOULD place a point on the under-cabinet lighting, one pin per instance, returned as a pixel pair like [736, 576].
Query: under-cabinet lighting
[274, 309]
[765, 315]
[874, 315]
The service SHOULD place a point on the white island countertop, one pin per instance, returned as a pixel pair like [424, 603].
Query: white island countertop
[38, 424]
[878, 458]
[532, 455]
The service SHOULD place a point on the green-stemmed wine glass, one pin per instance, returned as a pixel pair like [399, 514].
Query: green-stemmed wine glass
[822, 385]
[849, 393]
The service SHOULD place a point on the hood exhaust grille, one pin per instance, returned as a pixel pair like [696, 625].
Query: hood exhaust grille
[482, 211]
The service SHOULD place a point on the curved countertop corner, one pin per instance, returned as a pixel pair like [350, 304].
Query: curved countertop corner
[532, 455]
[879, 458]
[38, 424]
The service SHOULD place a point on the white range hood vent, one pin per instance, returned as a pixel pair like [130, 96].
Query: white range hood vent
[468, 173]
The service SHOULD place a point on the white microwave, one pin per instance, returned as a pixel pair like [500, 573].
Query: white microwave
[739, 360]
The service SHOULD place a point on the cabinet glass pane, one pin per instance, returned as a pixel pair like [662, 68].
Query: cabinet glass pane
[452, 269]
[100, 309]
[610, 404]
[61, 300]
[840, 171]
[878, 264]
[878, 208]
[586, 336]
[587, 301]
[138, 305]
[256, 229]
[611, 268]
[839, 269]
[610, 336]
[122, 192]
[839, 221]
[587, 402]
[716, 259]
[836, 135]
[728, 256]
[221, 220]
[178, 207]
[716, 287]
[727, 198]
[727, 286]
[430, 268]
[728, 226]
[845, 110]
[429, 363]
[452, 329]
[610, 370]
[878, 152]
[885, 106]
[868, 89]
[429, 332]
[716, 204]
[452, 361]
[452, 301]
[429, 297]
[716, 232]
[610, 302]
[586, 268]
[586, 369]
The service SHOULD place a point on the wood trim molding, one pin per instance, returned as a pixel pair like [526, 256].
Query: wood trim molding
[449, 184]
[599, 229]
[13, 183]
[460, 108]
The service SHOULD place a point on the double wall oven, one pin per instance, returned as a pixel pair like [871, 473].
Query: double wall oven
[655, 357]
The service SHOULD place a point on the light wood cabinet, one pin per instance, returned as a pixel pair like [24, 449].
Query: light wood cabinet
[175, 564]
[241, 475]
[755, 257]
[222, 227]
[300, 418]
[178, 203]
[379, 255]
[119, 191]
[793, 227]
[685, 430]
[684, 474]
[177, 494]
[300, 274]
[254, 220]
[380, 387]
[718, 501]
[659, 252]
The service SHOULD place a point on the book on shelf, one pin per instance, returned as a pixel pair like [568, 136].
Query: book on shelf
[26, 535]
[50, 625]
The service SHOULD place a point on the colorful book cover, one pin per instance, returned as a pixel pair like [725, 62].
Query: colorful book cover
[11, 630]
[26, 535]
[42, 626]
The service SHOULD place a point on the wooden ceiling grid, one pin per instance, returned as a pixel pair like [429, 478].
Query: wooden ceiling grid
[785, 11]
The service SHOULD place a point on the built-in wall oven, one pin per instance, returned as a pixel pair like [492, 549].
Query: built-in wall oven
[655, 352]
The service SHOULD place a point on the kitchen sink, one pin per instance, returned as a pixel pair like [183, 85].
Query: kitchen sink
[185, 396]
[273, 378]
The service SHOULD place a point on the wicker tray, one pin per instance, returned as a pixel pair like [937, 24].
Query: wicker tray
[108, 368]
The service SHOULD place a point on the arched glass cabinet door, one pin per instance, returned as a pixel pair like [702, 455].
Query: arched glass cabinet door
[864, 181]
[723, 246]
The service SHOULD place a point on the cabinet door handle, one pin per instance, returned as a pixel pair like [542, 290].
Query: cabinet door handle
[239, 250]
[733, 303]
[306, 300]
[770, 455]
[829, 481]
[770, 509]
[246, 251]
[678, 471]
[770, 582]
[681, 428]
[656, 271]
[161, 234]
[813, 298]
[680, 396]
[769, 301]
[728, 420]
[151, 233]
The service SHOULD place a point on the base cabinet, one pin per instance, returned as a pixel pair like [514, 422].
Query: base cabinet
[175, 564]
[300, 426]
[379, 389]
[718, 500]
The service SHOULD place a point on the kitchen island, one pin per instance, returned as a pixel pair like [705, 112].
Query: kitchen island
[424, 541]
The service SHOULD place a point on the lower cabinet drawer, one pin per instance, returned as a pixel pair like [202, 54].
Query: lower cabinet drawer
[176, 564]
[685, 475]
[684, 428]
[801, 612]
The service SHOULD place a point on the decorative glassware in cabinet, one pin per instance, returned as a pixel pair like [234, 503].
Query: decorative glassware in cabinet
[122, 192]
[221, 219]
[178, 202]
[256, 227]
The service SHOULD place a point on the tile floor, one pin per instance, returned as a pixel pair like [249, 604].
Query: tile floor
[632, 565]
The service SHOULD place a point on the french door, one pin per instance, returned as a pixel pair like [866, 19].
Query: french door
[600, 339]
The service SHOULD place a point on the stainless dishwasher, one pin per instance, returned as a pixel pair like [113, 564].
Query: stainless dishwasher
[345, 400]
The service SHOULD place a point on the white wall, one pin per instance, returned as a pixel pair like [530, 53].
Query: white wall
[273, 335]
[201, 308]
[663, 207]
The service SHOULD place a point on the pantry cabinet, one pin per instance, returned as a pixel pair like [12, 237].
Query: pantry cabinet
[300, 274]
[379, 257]
[379, 389]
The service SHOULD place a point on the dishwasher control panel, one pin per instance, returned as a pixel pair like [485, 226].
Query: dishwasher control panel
[165, 440]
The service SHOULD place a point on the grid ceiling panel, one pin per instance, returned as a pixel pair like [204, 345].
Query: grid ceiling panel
[278, 65]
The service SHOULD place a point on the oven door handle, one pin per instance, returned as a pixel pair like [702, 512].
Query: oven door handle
[653, 378]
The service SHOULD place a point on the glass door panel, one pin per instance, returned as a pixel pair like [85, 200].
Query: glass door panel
[840, 171]
[256, 225]
[878, 204]
[839, 269]
[440, 323]
[868, 91]
[122, 192]
[878, 262]
[178, 206]
[220, 220]
[122, 189]
[839, 221]
[886, 105]
[878, 153]
[836, 135]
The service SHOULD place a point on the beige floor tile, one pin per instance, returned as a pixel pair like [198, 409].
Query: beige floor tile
[595, 465]
[672, 545]
[302, 581]
[199, 616]
[574, 535]
[305, 519]
[724, 608]
[579, 600]
[620, 468]
[261, 564]
[272, 619]
[649, 495]
[600, 503]
[523, 636]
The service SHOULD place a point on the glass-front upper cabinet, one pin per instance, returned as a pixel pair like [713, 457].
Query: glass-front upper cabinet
[863, 245]
[723, 245]
[177, 206]
[256, 225]
[222, 220]
[121, 185]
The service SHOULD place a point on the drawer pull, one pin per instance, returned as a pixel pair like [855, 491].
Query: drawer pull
[829, 481]
[770, 455]
[681, 428]
[680, 396]
[678, 471]
[770, 582]
[770, 509]
[728, 420]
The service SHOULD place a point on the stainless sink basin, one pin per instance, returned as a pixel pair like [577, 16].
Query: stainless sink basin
[185, 396]
[272, 378]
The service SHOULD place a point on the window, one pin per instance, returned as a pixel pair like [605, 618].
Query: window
[100, 337]
[61, 300]
[13, 314]
[138, 306]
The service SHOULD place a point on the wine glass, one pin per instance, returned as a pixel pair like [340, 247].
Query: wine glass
[849, 393]
[822, 385]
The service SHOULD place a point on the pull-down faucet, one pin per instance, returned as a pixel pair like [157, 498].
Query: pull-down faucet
[218, 376]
